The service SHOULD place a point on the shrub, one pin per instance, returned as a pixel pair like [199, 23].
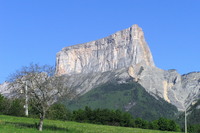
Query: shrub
[16, 108]
[58, 112]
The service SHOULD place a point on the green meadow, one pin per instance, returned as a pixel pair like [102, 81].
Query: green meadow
[10, 124]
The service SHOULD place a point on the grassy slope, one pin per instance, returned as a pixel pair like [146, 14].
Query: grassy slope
[130, 96]
[10, 124]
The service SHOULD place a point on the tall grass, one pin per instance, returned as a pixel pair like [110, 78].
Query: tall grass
[10, 124]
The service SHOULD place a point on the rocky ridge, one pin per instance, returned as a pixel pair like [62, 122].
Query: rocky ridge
[125, 55]
[122, 49]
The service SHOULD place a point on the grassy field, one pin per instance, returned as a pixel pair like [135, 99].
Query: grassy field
[10, 124]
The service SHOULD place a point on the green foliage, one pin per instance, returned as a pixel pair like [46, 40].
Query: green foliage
[167, 125]
[194, 128]
[2, 104]
[139, 123]
[103, 116]
[97, 116]
[119, 118]
[130, 97]
[58, 112]
[193, 118]
[33, 111]
[154, 125]
[10, 124]
[163, 124]
[14, 107]
[192, 114]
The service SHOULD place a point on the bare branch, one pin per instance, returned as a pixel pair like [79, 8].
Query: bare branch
[44, 88]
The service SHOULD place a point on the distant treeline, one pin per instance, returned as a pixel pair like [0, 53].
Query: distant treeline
[119, 118]
[15, 107]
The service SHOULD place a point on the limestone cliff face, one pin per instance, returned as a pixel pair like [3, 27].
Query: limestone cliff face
[179, 90]
[124, 55]
[122, 49]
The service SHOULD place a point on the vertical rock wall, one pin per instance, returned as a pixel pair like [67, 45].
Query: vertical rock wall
[90, 64]
[122, 49]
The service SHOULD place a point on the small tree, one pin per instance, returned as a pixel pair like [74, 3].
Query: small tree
[43, 87]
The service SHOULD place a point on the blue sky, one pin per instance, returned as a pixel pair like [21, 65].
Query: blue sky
[35, 30]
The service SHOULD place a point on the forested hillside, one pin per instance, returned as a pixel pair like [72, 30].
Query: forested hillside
[130, 97]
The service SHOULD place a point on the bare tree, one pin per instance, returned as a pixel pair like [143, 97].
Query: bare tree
[43, 87]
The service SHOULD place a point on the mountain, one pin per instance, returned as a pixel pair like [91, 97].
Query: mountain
[193, 116]
[130, 97]
[125, 58]
[122, 49]
[125, 54]
[193, 113]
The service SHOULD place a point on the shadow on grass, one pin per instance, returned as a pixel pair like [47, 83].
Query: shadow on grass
[35, 126]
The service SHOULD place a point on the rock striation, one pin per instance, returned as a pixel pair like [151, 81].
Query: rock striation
[122, 49]
[179, 90]
[124, 56]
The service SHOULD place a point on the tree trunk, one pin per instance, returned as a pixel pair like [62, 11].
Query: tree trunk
[42, 115]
